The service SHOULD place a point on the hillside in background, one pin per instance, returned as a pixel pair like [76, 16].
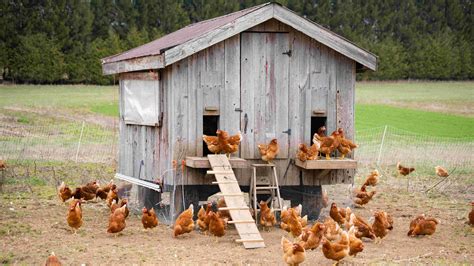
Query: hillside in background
[62, 41]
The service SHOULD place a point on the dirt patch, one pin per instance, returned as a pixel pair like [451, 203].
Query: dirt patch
[33, 225]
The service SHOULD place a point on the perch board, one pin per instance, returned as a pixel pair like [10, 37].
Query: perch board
[327, 164]
[203, 162]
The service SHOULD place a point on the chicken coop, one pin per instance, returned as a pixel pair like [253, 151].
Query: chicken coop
[263, 71]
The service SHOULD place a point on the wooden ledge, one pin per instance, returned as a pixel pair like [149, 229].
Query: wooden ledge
[203, 162]
[327, 164]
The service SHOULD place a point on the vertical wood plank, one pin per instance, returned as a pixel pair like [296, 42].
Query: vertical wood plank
[230, 97]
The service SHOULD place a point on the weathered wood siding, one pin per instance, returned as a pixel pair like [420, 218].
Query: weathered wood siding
[318, 79]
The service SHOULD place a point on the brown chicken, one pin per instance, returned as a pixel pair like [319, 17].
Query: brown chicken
[52, 260]
[267, 216]
[112, 195]
[364, 229]
[114, 206]
[356, 245]
[269, 151]
[311, 238]
[216, 225]
[332, 229]
[212, 143]
[336, 251]
[372, 179]
[304, 153]
[104, 190]
[223, 214]
[440, 171]
[294, 224]
[74, 215]
[414, 222]
[117, 220]
[345, 145]
[293, 253]
[229, 144]
[203, 217]
[124, 202]
[337, 214]
[88, 192]
[184, 223]
[365, 199]
[327, 145]
[471, 215]
[3, 165]
[285, 214]
[64, 192]
[380, 224]
[149, 219]
[423, 226]
[404, 170]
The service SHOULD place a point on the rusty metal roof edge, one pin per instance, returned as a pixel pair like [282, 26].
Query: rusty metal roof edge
[105, 60]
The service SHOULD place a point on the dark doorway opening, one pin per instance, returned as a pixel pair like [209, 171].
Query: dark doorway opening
[210, 124]
[316, 123]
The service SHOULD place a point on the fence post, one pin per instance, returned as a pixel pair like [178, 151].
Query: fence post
[80, 139]
[381, 145]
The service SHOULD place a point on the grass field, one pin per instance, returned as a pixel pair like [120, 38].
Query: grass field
[442, 109]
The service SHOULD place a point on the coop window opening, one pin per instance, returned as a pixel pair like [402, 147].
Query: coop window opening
[316, 123]
[210, 124]
[141, 102]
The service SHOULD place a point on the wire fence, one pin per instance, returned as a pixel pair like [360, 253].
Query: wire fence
[77, 142]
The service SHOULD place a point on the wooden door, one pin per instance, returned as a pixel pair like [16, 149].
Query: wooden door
[264, 66]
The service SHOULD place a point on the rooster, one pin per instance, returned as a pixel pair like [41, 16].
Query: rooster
[270, 151]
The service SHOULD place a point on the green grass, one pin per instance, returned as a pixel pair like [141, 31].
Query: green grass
[444, 97]
[417, 121]
[76, 98]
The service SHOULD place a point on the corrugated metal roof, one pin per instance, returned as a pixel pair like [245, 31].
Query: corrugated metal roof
[180, 36]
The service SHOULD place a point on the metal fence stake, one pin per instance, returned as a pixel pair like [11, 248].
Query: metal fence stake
[80, 139]
[381, 145]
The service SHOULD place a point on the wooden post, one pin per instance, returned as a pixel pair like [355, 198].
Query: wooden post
[80, 139]
[381, 145]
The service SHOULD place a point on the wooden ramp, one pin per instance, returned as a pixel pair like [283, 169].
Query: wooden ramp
[234, 198]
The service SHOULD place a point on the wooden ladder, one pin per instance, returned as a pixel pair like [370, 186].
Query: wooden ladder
[268, 187]
[234, 198]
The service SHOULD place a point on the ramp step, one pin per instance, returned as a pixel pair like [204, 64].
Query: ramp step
[233, 208]
[242, 222]
[249, 240]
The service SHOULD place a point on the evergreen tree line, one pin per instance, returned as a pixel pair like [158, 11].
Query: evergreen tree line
[62, 41]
